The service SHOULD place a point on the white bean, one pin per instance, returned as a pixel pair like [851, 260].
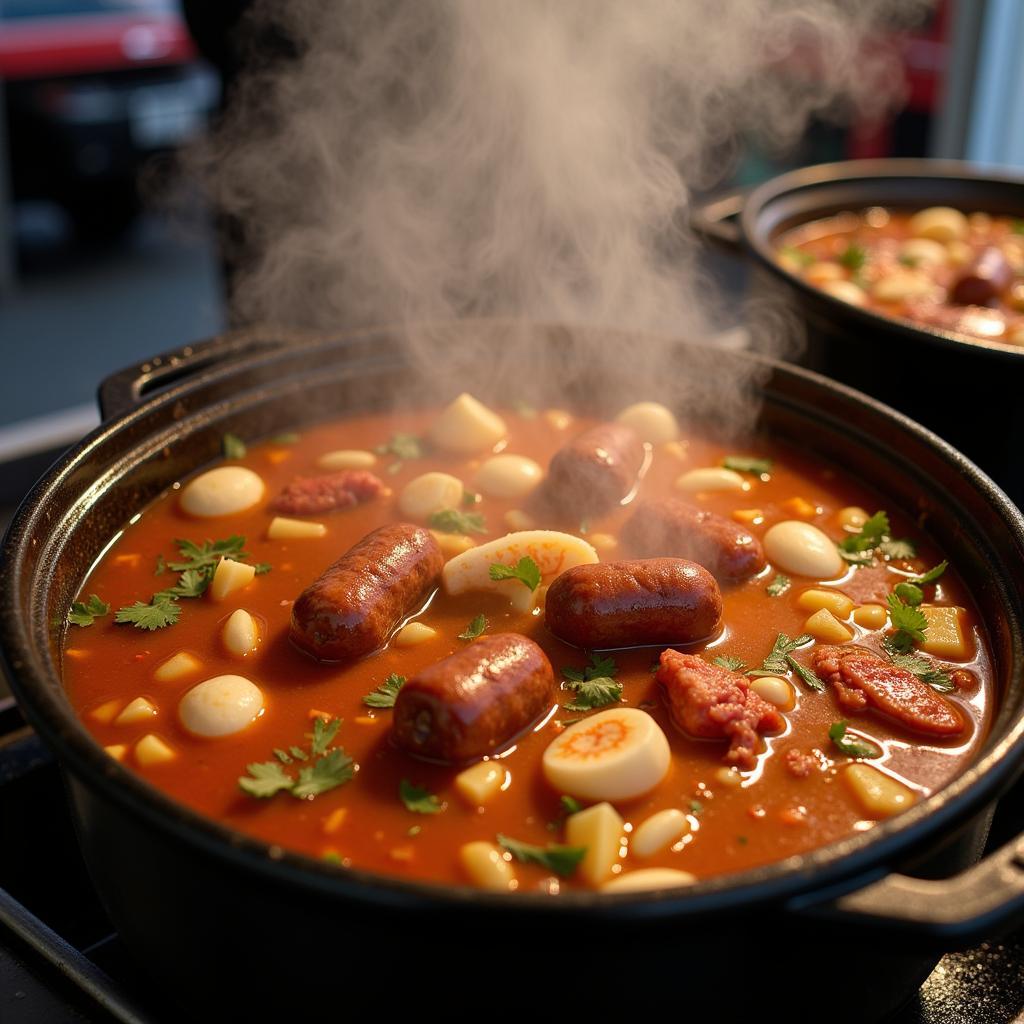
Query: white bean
[647, 879]
[508, 476]
[653, 422]
[347, 458]
[221, 706]
[221, 492]
[798, 547]
[899, 285]
[711, 478]
[241, 634]
[940, 223]
[658, 832]
[430, 493]
[774, 690]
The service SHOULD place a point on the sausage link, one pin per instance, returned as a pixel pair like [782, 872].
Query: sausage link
[626, 604]
[983, 280]
[668, 526]
[356, 604]
[474, 702]
[594, 471]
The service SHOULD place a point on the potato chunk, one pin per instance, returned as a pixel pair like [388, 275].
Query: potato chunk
[467, 427]
[879, 795]
[944, 636]
[599, 829]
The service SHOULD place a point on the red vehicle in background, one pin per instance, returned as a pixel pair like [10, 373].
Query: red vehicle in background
[93, 89]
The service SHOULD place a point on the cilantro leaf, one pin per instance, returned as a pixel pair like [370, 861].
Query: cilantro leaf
[323, 735]
[161, 566]
[205, 556]
[525, 570]
[747, 464]
[593, 693]
[385, 694]
[470, 498]
[233, 446]
[776, 664]
[853, 257]
[909, 621]
[931, 575]
[562, 860]
[326, 773]
[726, 661]
[191, 583]
[262, 568]
[451, 520]
[404, 447]
[475, 628]
[909, 593]
[807, 674]
[84, 613]
[779, 585]
[158, 613]
[852, 748]
[871, 534]
[897, 549]
[419, 800]
[265, 779]
[927, 671]
[600, 665]
[570, 804]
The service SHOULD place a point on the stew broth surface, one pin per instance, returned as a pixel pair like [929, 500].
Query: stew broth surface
[737, 821]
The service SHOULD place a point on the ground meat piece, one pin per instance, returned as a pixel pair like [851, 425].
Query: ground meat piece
[713, 702]
[309, 495]
[862, 679]
[798, 764]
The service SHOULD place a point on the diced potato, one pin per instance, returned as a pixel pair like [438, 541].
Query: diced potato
[152, 750]
[879, 795]
[648, 879]
[230, 577]
[944, 636]
[853, 517]
[838, 604]
[347, 458]
[871, 616]
[486, 867]
[752, 516]
[603, 542]
[775, 690]
[845, 291]
[558, 418]
[508, 476]
[659, 832]
[221, 492]
[241, 634]
[117, 751]
[819, 273]
[823, 625]
[137, 711]
[429, 493]
[801, 508]
[599, 829]
[283, 528]
[480, 783]
[517, 520]
[467, 427]
[652, 421]
[106, 712]
[711, 478]
[413, 634]
[452, 544]
[940, 223]
[176, 667]
[335, 820]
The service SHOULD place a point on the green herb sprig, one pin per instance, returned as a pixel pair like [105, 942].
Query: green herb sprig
[85, 613]
[562, 860]
[525, 570]
[385, 694]
[851, 747]
[322, 769]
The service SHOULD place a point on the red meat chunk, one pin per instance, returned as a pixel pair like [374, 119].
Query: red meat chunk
[862, 679]
[309, 495]
[713, 702]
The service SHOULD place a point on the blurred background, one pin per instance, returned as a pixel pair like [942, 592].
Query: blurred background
[99, 270]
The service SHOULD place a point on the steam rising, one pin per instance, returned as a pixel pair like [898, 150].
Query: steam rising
[433, 159]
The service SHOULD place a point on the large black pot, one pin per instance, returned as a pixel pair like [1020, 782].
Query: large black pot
[230, 926]
[966, 390]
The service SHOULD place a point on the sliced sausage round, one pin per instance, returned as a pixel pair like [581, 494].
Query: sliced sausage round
[474, 702]
[668, 526]
[627, 604]
[356, 604]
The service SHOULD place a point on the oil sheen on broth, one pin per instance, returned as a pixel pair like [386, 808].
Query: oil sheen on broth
[744, 668]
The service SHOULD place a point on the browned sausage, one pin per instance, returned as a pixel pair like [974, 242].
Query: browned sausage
[625, 604]
[669, 526]
[474, 702]
[356, 604]
[594, 471]
[983, 280]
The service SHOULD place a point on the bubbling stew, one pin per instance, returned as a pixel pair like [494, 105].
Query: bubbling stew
[938, 267]
[523, 649]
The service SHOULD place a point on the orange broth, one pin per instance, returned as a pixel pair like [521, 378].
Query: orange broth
[770, 815]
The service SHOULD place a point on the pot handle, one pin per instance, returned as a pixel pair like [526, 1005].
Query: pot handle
[961, 911]
[717, 220]
[124, 391]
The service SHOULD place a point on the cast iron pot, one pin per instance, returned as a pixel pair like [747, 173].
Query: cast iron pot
[230, 927]
[966, 390]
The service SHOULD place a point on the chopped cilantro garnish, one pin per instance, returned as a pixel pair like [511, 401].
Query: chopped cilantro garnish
[927, 671]
[593, 693]
[404, 447]
[191, 583]
[931, 575]
[161, 566]
[450, 520]
[776, 663]
[84, 613]
[600, 665]
[207, 555]
[323, 769]
[909, 593]
[852, 748]
[470, 498]
[807, 674]
[160, 612]
[419, 800]
[727, 661]
[385, 694]
[909, 622]
[475, 628]
[858, 548]
[525, 570]
[747, 464]
[853, 257]
[779, 585]
[233, 446]
[570, 804]
[562, 860]
[696, 807]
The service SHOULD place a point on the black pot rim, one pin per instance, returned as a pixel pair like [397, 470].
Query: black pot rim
[872, 174]
[828, 870]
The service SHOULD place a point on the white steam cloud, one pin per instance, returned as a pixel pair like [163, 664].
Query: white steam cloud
[435, 159]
